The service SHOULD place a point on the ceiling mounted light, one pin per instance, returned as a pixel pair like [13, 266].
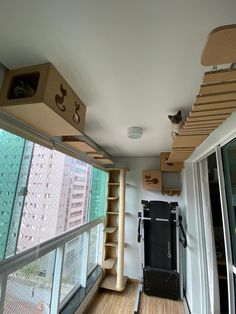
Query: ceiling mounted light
[135, 132]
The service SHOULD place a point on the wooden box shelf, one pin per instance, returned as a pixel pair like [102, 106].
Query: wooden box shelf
[40, 97]
[151, 180]
[169, 167]
[157, 180]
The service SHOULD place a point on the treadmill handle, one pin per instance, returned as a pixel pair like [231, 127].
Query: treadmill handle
[184, 241]
[139, 226]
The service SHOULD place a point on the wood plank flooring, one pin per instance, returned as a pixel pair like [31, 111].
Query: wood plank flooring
[109, 302]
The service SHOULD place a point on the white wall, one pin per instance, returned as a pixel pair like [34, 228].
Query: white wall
[134, 195]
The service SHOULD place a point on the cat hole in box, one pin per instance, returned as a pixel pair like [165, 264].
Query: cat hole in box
[23, 86]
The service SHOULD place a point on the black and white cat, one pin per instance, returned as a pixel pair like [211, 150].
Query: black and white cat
[176, 123]
[22, 90]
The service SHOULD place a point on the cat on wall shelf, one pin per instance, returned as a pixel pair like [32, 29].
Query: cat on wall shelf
[176, 123]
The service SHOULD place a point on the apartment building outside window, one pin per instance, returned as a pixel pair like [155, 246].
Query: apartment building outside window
[44, 193]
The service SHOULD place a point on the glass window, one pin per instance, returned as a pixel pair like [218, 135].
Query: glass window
[94, 241]
[98, 194]
[51, 193]
[29, 289]
[41, 197]
[72, 266]
[229, 162]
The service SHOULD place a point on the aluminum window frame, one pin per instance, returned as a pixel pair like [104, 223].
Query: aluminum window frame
[231, 271]
[57, 243]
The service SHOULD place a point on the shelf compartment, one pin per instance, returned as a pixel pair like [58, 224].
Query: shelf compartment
[151, 180]
[109, 282]
[113, 190]
[114, 176]
[112, 213]
[109, 263]
[169, 167]
[110, 229]
[113, 244]
[171, 192]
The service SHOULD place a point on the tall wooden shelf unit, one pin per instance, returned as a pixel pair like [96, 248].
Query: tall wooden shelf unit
[113, 263]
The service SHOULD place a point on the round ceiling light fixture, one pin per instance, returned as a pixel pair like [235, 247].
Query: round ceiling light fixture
[135, 132]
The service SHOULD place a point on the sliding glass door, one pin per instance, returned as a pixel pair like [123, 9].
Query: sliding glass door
[229, 164]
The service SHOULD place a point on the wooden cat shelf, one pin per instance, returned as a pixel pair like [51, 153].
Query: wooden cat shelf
[216, 100]
[155, 179]
[88, 149]
[40, 97]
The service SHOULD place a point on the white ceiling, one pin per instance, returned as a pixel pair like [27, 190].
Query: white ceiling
[132, 62]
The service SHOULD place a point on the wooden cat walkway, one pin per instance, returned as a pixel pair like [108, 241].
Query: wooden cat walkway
[217, 95]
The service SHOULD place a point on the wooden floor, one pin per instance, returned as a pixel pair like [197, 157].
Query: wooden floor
[109, 302]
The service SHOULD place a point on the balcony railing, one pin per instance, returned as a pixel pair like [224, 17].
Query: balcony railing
[42, 279]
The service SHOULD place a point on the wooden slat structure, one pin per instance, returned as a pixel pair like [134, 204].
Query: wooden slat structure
[216, 100]
[82, 146]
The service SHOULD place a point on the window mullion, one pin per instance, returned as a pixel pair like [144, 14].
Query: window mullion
[55, 300]
[99, 244]
[86, 241]
[3, 287]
